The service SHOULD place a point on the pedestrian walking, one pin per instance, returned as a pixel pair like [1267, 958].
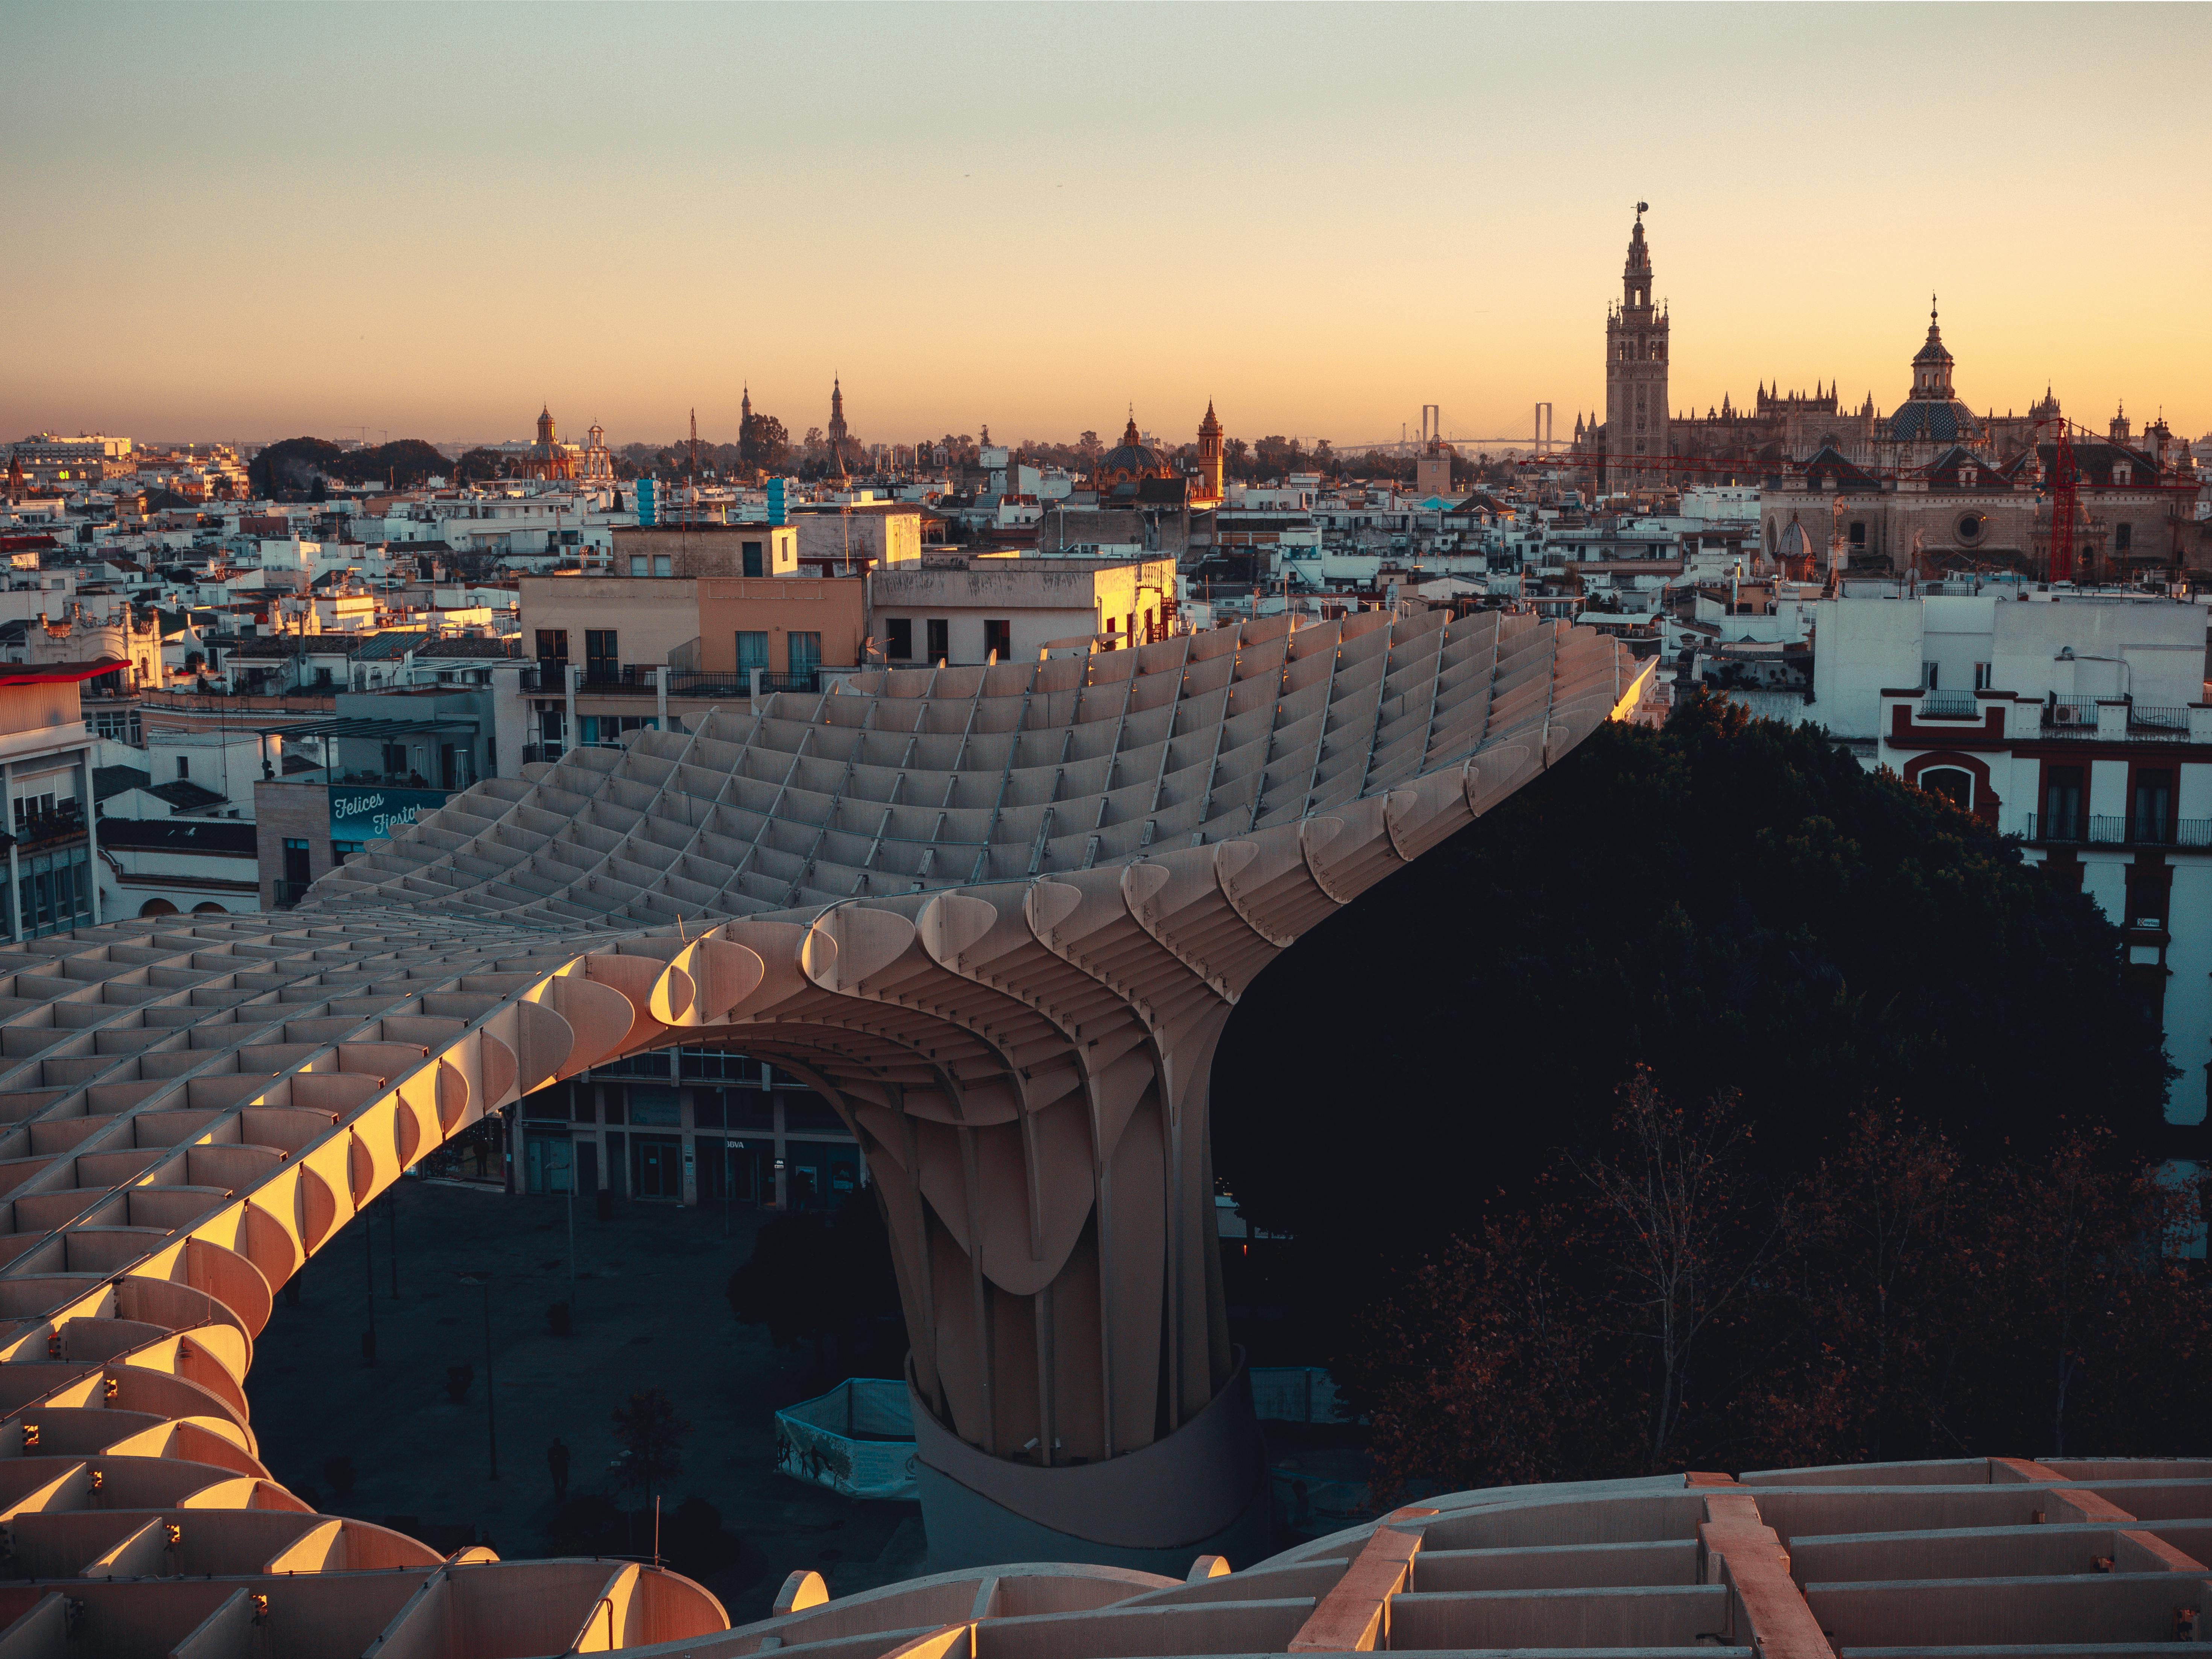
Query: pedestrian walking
[556, 1459]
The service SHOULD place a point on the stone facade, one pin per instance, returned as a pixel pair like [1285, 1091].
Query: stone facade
[1635, 373]
[290, 812]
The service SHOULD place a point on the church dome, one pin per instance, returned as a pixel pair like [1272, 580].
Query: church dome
[1128, 458]
[1930, 413]
[1133, 457]
[1935, 421]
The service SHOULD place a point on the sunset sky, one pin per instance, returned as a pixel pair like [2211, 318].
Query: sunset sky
[252, 224]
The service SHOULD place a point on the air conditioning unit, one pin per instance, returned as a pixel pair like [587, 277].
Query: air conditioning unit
[2069, 714]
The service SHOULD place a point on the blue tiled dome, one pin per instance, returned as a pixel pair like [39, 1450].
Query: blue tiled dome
[1934, 420]
[1129, 457]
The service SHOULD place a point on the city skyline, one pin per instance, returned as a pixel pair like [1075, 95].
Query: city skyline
[1034, 220]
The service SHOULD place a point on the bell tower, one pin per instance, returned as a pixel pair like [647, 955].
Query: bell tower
[1209, 459]
[1636, 425]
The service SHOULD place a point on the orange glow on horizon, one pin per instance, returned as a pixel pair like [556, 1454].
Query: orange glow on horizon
[267, 223]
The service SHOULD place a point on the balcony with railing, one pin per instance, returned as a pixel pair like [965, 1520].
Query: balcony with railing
[2115, 830]
[1949, 706]
[35, 831]
[2084, 717]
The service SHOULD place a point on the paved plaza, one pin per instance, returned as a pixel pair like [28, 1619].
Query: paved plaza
[650, 1314]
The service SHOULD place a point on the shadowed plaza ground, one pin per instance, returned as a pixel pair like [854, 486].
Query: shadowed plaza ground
[651, 1315]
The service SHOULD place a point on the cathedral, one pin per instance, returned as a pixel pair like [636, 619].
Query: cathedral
[1132, 472]
[1930, 486]
[1644, 445]
[1126, 470]
[551, 461]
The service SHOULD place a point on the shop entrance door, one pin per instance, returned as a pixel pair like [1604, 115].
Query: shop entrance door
[549, 1161]
[658, 1167]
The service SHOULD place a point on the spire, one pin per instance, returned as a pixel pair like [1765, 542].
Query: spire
[1931, 364]
[1636, 274]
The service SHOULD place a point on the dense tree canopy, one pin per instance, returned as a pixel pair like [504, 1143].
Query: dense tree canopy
[827, 1279]
[1660, 1304]
[1735, 904]
[764, 444]
[1891, 1084]
[299, 463]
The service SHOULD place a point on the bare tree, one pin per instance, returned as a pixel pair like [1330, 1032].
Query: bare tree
[1685, 1243]
[652, 1434]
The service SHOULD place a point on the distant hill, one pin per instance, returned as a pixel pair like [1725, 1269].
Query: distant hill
[297, 463]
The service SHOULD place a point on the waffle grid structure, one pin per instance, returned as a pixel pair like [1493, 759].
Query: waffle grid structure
[1997, 1556]
[998, 916]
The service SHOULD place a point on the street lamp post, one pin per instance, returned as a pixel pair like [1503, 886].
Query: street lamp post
[491, 1402]
[368, 1268]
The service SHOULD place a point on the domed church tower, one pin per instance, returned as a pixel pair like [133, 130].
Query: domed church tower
[1932, 417]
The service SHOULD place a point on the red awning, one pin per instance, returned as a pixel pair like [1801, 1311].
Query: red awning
[57, 673]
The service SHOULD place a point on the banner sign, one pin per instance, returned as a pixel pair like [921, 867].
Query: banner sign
[366, 812]
[857, 1439]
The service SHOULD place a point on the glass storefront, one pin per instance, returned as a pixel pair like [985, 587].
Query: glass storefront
[743, 1135]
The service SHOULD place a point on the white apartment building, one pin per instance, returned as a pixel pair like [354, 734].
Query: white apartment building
[2078, 722]
[1012, 609]
[47, 799]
